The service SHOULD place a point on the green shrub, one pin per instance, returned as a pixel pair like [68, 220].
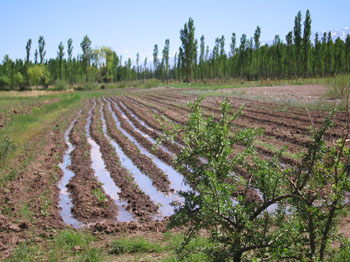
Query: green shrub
[134, 245]
[338, 87]
[6, 147]
[86, 86]
[60, 85]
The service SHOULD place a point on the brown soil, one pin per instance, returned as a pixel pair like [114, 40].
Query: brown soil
[87, 207]
[34, 189]
[139, 203]
[144, 163]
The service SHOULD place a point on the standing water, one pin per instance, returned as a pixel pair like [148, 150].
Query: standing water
[65, 202]
[104, 177]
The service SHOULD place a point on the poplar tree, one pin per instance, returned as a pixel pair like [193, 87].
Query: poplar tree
[60, 55]
[201, 57]
[256, 47]
[28, 47]
[41, 46]
[297, 41]
[306, 42]
[166, 59]
[188, 49]
[70, 54]
[155, 60]
[87, 52]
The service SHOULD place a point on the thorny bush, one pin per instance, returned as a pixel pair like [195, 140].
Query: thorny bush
[295, 211]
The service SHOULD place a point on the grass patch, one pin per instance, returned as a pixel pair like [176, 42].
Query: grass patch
[67, 245]
[134, 245]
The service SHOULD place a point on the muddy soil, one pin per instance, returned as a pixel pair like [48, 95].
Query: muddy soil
[35, 189]
[144, 163]
[88, 197]
[138, 202]
[153, 134]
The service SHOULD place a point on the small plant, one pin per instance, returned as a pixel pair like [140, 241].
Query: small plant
[134, 245]
[295, 211]
[6, 147]
[60, 85]
[100, 195]
[338, 87]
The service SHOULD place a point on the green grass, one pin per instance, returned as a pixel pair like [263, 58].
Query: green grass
[235, 83]
[66, 245]
[140, 248]
[135, 245]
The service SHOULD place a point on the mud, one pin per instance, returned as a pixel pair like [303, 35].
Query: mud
[89, 199]
[138, 203]
[143, 162]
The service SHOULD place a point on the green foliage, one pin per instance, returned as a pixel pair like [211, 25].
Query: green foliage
[100, 195]
[60, 85]
[134, 245]
[6, 147]
[86, 86]
[339, 86]
[38, 74]
[5, 82]
[295, 210]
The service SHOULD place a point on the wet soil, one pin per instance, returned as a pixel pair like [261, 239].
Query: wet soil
[144, 163]
[90, 201]
[138, 202]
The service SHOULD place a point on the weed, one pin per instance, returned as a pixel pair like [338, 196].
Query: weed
[6, 147]
[134, 245]
[100, 195]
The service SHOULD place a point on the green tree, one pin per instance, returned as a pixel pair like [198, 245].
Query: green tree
[38, 74]
[296, 209]
[166, 59]
[41, 47]
[306, 42]
[70, 64]
[28, 47]
[60, 55]
[188, 49]
[155, 60]
[87, 54]
[298, 42]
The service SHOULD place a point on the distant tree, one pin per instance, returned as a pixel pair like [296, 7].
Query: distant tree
[155, 60]
[87, 53]
[70, 54]
[60, 55]
[256, 47]
[166, 59]
[137, 65]
[36, 56]
[306, 42]
[189, 49]
[38, 74]
[347, 53]
[297, 42]
[28, 47]
[144, 68]
[201, 57]
[41, 46]
[290, 54]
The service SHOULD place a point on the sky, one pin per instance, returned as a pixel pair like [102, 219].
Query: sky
[132, 26]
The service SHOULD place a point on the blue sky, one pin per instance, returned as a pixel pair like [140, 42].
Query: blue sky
[132, 26]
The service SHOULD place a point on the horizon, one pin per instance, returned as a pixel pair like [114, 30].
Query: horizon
[123, 31]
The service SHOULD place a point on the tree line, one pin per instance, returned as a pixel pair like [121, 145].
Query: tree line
[295, 57]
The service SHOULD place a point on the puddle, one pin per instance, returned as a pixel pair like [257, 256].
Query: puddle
[139, 120]
[65, 202]
[150, 139]
[143, 181]
[175, 178]
[104, 177]
[147, 126]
